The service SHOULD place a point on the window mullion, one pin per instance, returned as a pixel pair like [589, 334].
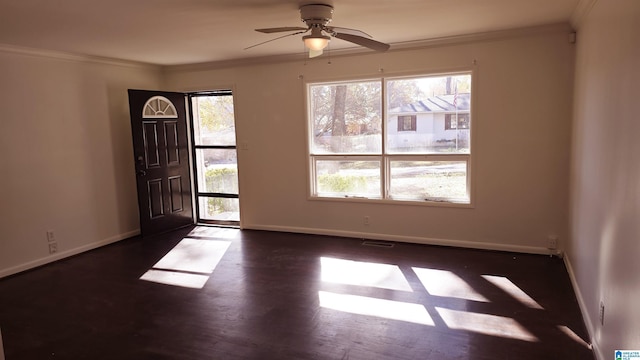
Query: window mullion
[384, 173]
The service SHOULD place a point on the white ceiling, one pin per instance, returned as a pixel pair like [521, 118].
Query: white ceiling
[170, 32]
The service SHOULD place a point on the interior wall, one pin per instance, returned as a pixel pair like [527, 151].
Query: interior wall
[521, 143]
[605, 184]
[67, 163]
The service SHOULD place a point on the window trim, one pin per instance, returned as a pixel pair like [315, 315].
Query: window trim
[412, 125]
[384, 157]
[461, 116]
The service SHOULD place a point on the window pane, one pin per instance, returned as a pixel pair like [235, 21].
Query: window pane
[423, 180]
[348, 178]
[217, 171]
[346, 118]
[441, 107]
[220, 209]
[213, 120]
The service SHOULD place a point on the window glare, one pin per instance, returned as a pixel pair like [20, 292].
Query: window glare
[440, 106]
[346, 118]
[428, 180]
[348, 178]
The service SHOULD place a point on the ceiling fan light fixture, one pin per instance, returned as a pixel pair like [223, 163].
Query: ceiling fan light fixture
[317, 17]
[316, 42]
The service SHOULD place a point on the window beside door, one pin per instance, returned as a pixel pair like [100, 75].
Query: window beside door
[215, 158]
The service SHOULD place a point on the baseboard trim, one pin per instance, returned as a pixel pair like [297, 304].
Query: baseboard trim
[65, 254]
[583, 309]
[406, 239]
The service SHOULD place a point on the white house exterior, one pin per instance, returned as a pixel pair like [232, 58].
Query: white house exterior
[437, 124]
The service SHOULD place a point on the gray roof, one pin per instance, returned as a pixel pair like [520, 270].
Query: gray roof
[440, 103]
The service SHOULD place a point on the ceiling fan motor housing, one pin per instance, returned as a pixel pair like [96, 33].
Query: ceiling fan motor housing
[316, 14]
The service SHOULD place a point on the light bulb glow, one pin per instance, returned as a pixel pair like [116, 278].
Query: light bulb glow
[316, 43]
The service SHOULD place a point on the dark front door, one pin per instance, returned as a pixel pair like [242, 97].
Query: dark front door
[161, 152]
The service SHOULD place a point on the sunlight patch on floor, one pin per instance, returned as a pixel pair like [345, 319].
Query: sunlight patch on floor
[189, 263]
[348, 272]
[193, 281]
[485, 324]
[214, 232]
[512, 289]
[387, 309]
[445, 283]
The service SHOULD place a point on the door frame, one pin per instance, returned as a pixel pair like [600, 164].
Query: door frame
[196, 194]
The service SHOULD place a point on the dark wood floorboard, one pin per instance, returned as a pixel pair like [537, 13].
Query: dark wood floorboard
[263, 301]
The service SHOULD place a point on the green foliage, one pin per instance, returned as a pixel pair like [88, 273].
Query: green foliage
[341, 183]
[403, 92]
[221, 180]
[361, 102]
[215, 112]
[215, 205]
[224, 180]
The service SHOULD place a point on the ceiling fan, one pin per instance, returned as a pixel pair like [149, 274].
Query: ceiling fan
[317, 17]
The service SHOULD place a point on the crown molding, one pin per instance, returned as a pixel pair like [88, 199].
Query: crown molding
[274, 59]
[61, 55]
[485, 36]
[402, 46]
[583, 8]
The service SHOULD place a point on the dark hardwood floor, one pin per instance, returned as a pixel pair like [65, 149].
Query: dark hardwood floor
[264, 295]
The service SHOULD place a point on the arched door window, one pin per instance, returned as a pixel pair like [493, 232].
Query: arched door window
[159, 107]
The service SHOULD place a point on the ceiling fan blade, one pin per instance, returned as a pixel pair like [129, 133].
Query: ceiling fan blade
[279, 37]
[281, 29]
[341, 30]
[363, 41]
[314, 53]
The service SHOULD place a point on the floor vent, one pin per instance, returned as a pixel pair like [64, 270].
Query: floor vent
[383, 244]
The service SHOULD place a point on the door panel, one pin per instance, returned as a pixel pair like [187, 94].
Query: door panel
[161, 155]
[171, 139]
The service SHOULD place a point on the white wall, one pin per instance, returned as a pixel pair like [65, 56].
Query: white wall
[521, 150]
[67, 162]
[605, 248]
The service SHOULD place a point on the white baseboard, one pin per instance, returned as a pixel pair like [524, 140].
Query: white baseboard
[64, 254]
[407, 239]
[583, 309]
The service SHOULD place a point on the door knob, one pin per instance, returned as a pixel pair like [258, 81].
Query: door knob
[142, 172]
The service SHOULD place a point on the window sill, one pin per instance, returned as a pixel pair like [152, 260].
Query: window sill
[428, 203]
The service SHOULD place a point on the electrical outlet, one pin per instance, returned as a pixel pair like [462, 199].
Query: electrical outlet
[51, 237]
[367, 221]
[53, 247]
[553, 242]
[601, 313]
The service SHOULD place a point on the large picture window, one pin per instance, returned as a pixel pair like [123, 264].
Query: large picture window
[396, 139]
